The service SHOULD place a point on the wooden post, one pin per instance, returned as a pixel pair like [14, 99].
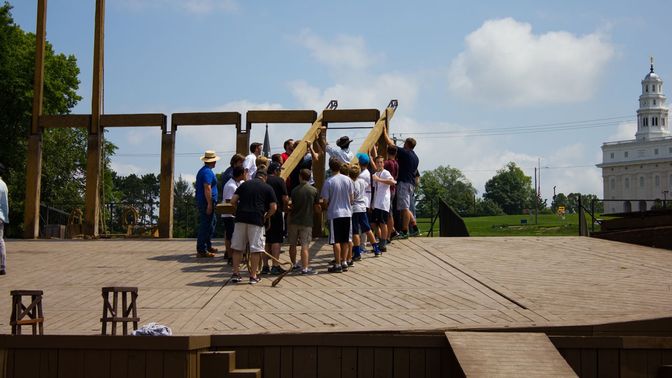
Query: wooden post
[319, 177]
[167, 181]
[95, 148]
[243, 138]
[31, 216]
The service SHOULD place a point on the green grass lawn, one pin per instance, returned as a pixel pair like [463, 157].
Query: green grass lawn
[515, 225]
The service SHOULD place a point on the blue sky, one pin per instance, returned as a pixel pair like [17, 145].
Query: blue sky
[479, 84]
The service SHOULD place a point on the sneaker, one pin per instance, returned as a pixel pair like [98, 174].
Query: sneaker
[265, 270]
[335, 269]
[377, 253]
[205, 254]
[344, 267]
[389, 241]
[383, 248]
[357, 258]
[276, 270]
[296, 267]
[351, 263]
[415, 232]
[235, 278]
[255, 280]
[394, 234]
[308, 272]
[213, 250]
[2, 272]
[400, 236]
[332, 262]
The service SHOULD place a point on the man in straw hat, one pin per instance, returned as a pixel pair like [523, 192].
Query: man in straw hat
[206, 197]
[343, 153]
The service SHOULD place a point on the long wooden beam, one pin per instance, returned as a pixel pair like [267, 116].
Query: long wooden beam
[350, 115]
[281, 116]
[31, 214]
[377, 131]
[201, 119]
[301, 149]
[133, 120]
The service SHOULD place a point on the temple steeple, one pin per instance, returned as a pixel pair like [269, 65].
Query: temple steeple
[652, 115]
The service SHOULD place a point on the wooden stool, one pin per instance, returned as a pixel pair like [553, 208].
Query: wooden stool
[110, 311]
[33, 311]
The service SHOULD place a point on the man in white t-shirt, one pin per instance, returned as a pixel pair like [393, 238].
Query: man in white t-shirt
[338, 195]
[382, 180]
[250, 163]
[229, 220]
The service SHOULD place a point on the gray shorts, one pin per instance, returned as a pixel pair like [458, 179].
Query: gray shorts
[405, 193]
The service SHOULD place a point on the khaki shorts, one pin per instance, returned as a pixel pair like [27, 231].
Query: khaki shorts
[303, 233]
[245, 233]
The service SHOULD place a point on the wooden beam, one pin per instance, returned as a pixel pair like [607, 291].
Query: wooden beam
[31, 215]
[377, 131]
[167, 185]
[201, 119]
[350, 115]
[65, 121]
[134, 120]
[95, 148]
[301, 149]
[281, 116]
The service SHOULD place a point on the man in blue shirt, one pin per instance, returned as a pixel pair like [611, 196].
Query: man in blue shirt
[408, 165]
[206, 197]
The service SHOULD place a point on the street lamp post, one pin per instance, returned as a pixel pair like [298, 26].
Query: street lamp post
[665, 198]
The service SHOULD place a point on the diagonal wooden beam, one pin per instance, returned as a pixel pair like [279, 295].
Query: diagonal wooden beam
[301, 149]
[377, 131]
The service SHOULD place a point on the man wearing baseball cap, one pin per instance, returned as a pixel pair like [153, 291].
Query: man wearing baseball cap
[206, 197]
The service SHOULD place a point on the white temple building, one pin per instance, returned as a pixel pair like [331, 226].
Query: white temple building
[637, 173]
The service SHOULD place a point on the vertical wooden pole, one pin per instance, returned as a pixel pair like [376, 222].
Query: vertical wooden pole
[319, 177]
[31, 215]
[243, 138]
[167, 181]
[94, 151]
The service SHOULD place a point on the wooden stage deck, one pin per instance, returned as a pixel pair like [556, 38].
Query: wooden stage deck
[421, 284]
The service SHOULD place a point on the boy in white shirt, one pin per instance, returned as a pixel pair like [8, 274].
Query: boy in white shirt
[228, 219]
[338, 194]
[382, 180]
[360, 220]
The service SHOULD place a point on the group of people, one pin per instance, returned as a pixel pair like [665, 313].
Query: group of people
[358, 198]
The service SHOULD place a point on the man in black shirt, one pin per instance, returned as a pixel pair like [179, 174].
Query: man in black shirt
[255, 204]
[275, 233]
[408, 165]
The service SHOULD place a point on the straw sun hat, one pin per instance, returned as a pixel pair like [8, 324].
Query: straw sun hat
[209, 156]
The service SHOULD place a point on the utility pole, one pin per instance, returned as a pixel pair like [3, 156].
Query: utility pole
[536, 198]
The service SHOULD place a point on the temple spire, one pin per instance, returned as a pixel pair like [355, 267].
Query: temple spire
[651, 59]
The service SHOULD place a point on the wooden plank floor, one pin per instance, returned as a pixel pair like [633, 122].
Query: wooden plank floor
[420, 284]
[498, 354]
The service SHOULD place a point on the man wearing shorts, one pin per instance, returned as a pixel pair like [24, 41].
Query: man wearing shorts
[275, 233]
[338, 195]
[382, 180]
[360, 219]
[238, 177]
[408, 164]
[255, 204]
[304, 202]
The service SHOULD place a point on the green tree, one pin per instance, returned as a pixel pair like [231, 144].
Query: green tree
[487, 207]
[185, 219]
[510, 189]
[586, 200]
[63, 150]
[448, 184]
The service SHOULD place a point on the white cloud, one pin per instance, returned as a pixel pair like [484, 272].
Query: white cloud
[507, 64]
[127, 169]
[192, 6]
[376, 92]
[345, 52]
[624, 131]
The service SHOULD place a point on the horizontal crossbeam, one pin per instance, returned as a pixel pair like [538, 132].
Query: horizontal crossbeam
[281, 116]
[350, 115]
[200, 119]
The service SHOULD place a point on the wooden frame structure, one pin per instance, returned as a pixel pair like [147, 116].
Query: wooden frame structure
[96, 122]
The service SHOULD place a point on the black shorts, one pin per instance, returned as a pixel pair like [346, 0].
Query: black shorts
[276, 232]
[379, 216]
[340, 230]
[228, 223]
[360, 223]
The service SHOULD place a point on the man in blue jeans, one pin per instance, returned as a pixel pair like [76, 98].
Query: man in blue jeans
[206, 197]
